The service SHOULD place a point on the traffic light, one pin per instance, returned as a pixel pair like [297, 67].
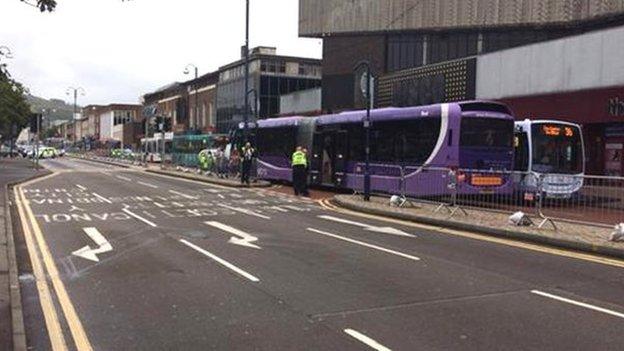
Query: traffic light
[34, 119]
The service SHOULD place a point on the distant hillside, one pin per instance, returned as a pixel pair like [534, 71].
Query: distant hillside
[63, 111]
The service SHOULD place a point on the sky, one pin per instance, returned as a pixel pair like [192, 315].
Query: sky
[118, 51]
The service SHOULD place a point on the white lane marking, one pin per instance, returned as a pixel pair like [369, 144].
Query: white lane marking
[367, 227]
[81, 187]
[148, 185]
[379, 248]
[123, 178]
[277, 208]
[91, 254]
[366, 340]
[184, 195]
[221, 261]
[139, 217]
[246, 239]
[245, 211]
[158, 204]
[578, 303]
[221, 196]
[102, 198]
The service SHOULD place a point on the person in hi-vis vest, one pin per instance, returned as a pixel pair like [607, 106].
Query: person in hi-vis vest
[299, 164]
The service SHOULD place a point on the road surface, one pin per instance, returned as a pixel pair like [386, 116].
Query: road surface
[123, 260]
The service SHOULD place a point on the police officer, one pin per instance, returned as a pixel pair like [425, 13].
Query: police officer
[299, 164]
[248, 154]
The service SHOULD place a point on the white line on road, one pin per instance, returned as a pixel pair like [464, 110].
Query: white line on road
[139, 217]
[379, 248]
[81, 187]
[158, 204]
[124, 178]
[370, 228]
[184, 195]
[577, 303]
[221, 261]
[102, 198]
[221, 196]
[148, 185]
[245, 211]
[366, 340]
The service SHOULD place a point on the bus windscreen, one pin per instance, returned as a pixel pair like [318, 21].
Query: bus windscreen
[557, 148]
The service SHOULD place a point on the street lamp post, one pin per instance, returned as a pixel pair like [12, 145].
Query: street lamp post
[246, 112]
[75, 92]
[367, 126]
[255, 93]
[196, 118]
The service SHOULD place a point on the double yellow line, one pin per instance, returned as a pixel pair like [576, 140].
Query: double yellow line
[42, 262]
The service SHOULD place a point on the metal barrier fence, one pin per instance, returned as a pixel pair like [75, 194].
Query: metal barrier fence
[547, 198]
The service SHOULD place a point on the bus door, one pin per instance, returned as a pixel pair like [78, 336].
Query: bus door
[340, 158]
[316, 161]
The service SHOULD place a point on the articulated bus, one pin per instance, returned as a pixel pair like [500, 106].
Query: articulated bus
[551, 151]
[422, 142]
[155, 147]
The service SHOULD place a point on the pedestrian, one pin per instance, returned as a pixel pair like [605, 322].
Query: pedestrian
[234, 163]
[306, 171]
[247, 155]
[219, 161]
[299, 164]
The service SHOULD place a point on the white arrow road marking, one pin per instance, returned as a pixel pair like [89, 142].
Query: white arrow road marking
[379, 248]
[220, 260]
[367, 227]
[246, 239]
[139, 217]
[245, 211]
[102, 198]
[184, 195]
[577, 303]
[366, 340]
[91, 254]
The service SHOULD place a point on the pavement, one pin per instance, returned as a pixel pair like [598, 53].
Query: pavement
[141, 261]
[11, 171]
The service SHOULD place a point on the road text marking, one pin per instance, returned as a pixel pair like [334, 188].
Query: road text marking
[123, 178]
[184, 195]
[577, 303]
[81, 187]
[245, 211]
[139, 217]
[102, 198]
[379, 248]
[220, 261]
[366, 340]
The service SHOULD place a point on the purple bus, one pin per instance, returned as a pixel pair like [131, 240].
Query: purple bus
[420, 143]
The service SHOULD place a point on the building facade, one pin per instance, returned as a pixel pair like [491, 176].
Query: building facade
[397, 36]
[270, 76]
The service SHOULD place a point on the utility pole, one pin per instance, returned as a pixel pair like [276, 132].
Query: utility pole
[75, 92]
[367, 126]
[194, 124]
[246, 113]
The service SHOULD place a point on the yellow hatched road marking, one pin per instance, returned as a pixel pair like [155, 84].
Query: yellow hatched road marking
[75, 325]
[509, 242]
[45, 299]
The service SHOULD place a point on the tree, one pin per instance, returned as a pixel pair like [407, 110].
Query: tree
[43, 5]
[14, 110]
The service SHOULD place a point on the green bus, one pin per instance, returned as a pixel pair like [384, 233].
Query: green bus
[186, 147]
